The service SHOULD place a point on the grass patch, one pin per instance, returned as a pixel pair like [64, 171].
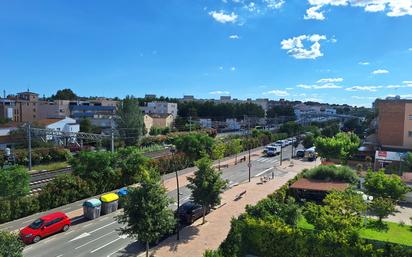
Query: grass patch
[51, 166]
[393, 232]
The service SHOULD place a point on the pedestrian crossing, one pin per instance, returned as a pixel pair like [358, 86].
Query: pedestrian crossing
[268, 160]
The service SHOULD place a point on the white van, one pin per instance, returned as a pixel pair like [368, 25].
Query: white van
[272, 150]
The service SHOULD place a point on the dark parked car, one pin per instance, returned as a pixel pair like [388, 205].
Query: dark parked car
[300, 153]
[190, 211]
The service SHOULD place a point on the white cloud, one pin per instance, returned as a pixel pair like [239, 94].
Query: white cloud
[277, 93]
[274, 4]
[330, 80]
[407, 82]
[410, 49]
[407, 85]
[234, 37]
[289, 88]
[363, 97]
[313, 13]
[325, 86]
[363, 63]
[297, 49]
[218, 92]
[393, 8]
[363, 88]
[222, 17]
[380, 71]
[221, 68]
[233, 68]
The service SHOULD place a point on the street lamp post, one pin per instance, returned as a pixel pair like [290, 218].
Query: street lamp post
[367, 199]
[173, 150]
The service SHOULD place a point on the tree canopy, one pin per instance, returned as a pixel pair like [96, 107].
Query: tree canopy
[342, 146]
[130, 120]
[378, 184]
[291, 128]
[194, 145]
[97, 168]
[14, 182]
[64, 94]
[341, 212]
[280, 110]
[146, 212]
[209, 109]
[332, 173]
[10, 245]
[206, 185]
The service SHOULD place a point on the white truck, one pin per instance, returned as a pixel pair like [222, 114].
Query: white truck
[272, 150]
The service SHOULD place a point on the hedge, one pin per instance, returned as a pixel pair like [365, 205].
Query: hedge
[39, 156]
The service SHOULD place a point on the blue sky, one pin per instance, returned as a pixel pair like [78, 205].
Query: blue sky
[336, 51]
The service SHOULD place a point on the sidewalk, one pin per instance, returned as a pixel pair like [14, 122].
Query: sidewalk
[197, 238]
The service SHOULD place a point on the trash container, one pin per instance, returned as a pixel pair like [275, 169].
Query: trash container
[92, 208]
[122, 194]
[110, 203]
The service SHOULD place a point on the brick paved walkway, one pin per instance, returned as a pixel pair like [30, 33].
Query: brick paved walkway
[195, 239]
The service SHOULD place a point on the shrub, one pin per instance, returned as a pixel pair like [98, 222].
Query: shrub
[332, 173]
[64, 189]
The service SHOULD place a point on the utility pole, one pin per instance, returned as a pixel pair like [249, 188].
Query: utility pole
[173, 150]
[112, 136]
[281, 154]
[249, 165]
[29, 139]
[190, 124]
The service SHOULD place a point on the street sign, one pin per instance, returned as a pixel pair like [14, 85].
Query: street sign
[249, 164]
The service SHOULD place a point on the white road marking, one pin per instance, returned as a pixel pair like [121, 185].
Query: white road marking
[109, 243]
[80, 237]
[94, 240]
[97, 229]
[263, 172]
[59, 255]
[115, 252]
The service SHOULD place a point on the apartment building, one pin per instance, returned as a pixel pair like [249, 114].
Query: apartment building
[160, 108]
[395, 123]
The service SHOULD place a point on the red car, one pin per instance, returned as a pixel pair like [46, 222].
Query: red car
[45, 226]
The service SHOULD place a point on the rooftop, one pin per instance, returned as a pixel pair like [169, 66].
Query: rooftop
[46, 122]
[318, 185]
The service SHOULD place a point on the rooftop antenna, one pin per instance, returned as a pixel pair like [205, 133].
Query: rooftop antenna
[4, 94]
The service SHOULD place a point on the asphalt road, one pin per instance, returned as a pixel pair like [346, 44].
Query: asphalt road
[100, 237]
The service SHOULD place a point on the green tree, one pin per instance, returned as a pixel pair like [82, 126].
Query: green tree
[64, 94]
[378, 184]
[132, 165]
[332, 173]
[342, 146]
[64, 189]
[194, 145]
[86, 125]
[280, 110]
[341, 212]
[234, 146]
[14, 182]
[382, 207]
[206, 185]
[146, 212]
[97, 168]
[218, 151]
[130, 120]
[291, 128]
[330, 131]
[10, 245]
[308, 140]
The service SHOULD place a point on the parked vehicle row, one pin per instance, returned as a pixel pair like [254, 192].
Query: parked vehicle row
[276, 147]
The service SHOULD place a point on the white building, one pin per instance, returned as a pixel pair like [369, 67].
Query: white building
[232, 124]
[66, 124]
[205, 123]
[161, 108]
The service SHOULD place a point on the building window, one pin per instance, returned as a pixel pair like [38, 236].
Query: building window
[410, 117]
[410, 133]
